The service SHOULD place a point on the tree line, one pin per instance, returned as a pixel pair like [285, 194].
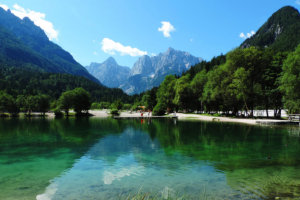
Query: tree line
[243, 80]
[28, 80]
[77, 99]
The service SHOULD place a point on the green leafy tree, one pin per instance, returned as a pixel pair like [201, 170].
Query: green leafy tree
[8, 104]
[272, 94]
[241, 86]
[31, 104]
[66, 100]
[81, 101]
[197, 87]
[21, 103]
[212, 96]
[126, 106]
[104, 105]
[118, 104]
[95, 106]
[43, 103]
[149, 99]
[290, 82]
[165, 95]
[183, 93]
[253, 63]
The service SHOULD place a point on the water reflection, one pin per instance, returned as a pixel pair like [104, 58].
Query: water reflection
[33, 152]
[105, 158]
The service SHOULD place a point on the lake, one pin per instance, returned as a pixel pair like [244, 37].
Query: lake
[165, 159]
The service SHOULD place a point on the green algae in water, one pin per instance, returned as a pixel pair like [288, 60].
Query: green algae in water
[158, 159]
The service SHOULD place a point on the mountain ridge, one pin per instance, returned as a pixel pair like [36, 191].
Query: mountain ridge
[24, 43]
[281, 31]
[109, 72]
[147, 72]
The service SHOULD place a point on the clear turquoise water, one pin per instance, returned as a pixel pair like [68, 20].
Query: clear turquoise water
[113, 159]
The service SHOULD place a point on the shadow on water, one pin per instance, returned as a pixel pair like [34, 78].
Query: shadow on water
[103, 158]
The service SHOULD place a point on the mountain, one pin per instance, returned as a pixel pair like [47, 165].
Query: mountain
[281, 32]
[146, 73]
[109, 72]
[149, 72]
[25, 44]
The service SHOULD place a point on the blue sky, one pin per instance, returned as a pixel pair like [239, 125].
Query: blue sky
[93, 30]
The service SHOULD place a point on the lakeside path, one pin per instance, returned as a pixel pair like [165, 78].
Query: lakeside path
[182, 116]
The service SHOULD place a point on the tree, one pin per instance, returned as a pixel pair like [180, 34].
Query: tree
[212, 96]
[149, 98]
[126, 106]
[253, 62]
[8, 104]
[290, 82]
[31, 104]
[165, 95]
[43, 103]
[240, 85]
[272, 94]
[95, 106]
[104, 105]
[21, 102]
[81, 101]
[117, 104]
[197, 87]
[183, 93]
[66, 101]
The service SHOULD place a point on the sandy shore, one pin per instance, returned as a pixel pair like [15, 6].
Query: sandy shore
[105, 113]
[182, 116]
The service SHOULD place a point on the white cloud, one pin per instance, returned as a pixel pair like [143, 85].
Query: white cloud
[111, 47]
[297, 2]
[37, 17]
[166, 28]
[247, 35]
[242, 35]
[5, 7]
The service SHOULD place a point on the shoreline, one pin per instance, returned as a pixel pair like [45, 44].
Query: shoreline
[182, 116]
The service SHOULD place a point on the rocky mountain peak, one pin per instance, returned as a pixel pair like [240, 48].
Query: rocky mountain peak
[170, 50]
[146, 73]
[110, 60]
[109, 72]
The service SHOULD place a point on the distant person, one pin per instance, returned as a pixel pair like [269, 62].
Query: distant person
[174, 113]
